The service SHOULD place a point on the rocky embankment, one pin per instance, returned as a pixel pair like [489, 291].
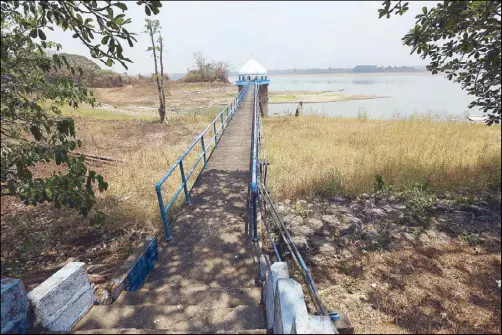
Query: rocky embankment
[376, 222]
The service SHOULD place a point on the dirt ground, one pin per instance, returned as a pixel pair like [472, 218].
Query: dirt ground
[395, 269]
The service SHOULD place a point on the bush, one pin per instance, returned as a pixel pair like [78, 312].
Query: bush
[207, 71]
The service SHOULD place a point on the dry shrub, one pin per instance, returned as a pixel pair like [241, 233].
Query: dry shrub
[148, 149]
[321, 155]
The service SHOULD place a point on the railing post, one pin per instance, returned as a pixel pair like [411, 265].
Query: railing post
[183, 180]
[222, 123]
[255, 219]
[215, 136]
[163, 214]
[203, 150]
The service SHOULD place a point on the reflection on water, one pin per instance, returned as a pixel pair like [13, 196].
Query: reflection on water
[408, 95]
[372, 81]
[363, 114]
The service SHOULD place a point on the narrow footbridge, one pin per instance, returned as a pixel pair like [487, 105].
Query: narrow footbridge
[209, 270]
[212, 237]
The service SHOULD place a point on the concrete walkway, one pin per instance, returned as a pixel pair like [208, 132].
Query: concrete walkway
[211, 244]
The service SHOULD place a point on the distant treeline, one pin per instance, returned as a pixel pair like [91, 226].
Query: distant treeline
[94, 76]
[356, 69]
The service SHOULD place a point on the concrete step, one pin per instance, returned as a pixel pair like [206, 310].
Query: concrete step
[209, 298]
[173, 318]
[165, 331]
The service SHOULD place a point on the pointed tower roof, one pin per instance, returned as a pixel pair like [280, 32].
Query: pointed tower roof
[252, 67]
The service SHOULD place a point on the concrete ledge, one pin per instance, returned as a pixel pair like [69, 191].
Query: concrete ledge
[14, 307]
[313, 324]
[289, 304]
[136, 268]
[277, 270]
[344, 326]
[263, 267]
[286, 310]
[60, 301]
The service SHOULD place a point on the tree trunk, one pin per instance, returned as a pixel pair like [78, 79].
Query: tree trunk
[162, 109]
[162, 75]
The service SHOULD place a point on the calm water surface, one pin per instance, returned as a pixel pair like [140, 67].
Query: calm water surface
[406, 94]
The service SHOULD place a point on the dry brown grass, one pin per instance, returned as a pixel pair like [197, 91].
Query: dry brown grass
[423, 287]
[314, 154]
[148, 149]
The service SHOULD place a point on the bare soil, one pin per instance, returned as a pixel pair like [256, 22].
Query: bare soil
[395, 267]
[186, 96]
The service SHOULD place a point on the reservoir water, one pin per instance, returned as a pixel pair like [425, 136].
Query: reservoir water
[405, 94]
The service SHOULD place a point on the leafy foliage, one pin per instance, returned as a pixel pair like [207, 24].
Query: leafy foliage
[463, 40]
[33, 131]
[90, 70]
[207, 71]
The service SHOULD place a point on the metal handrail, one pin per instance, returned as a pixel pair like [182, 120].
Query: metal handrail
[254, 167]
[229, 111]
[300, 263]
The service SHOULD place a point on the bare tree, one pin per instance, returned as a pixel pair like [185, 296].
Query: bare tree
[152, 28]
[161, 50]
[200, 61]
[207, 71]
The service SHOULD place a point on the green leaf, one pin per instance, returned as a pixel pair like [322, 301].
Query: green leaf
[121, 5]
[41, 35]
[147, 11]
[33, 33]
[109, 62]
[48, 192]
[105, 39]
[424, 10]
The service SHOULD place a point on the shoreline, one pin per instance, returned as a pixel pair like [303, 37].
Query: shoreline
[309, 97]
[330, 101]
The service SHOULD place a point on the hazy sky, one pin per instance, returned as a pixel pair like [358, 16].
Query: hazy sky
[279, 35]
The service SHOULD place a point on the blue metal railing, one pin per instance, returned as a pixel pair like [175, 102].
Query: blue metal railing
[225, 116]
[297, 258]
[254, 167]
[259, 191]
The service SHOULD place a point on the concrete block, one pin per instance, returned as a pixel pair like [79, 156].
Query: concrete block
[344, 326]
[277, 270]
[14, 307]
[264, 266]
[313, 324]
[60, 301]
[73, 312]
[135, 270]
[289, 304]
